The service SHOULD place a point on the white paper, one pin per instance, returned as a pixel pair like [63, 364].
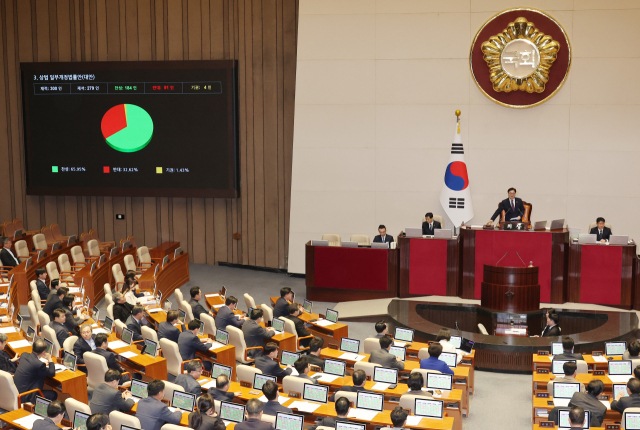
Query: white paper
[128, 354]
[94, 325]
[620, 378]
[606, 403]
[281, 399]
[226, 423]
[8, 330]
[19, 344]
[277, 332]
[27, 422]
[212, 295]
[135, 399]
[116, 344]
[172, 409]
[413, 420]
[380, 386]
[218, 306]
[4, 305]
[73, 290]
[148, 302]
[304, 406]
[396, 343]
[146, 293]
[59, 367]
[294, 372]
[351, 356]
[99, 330]
[515, 331]
[3, 297]
[323, 323]
[327, 378]
[363, 414]
[216, 345]
[154, 310]
[600, 359]
[210, 384]
[78, 300]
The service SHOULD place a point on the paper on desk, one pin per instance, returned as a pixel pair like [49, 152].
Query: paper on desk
[226, 423]
[277, 332]
[59, 367]
[362, 414]
[351, 356]
[304, 406]
[203, 381]
[620, 378]
[135, 399]
[4, 305]
[99, 330]
[396, 343]
[172, 409]
[413, 420]
[380, 386]
[154, 310]
[216, 345]
[94, 325]
[3, 297]
[212, 295]
[128, 354]
[74, 290]
[8, 330]
[78, 300]
[19, 344]
[27, 422]
[323, 323]
[600, 359]
[210, 384]
[218, 306]
[515, 331]
[327, 378]
[294, 372]
[148, 302]
[146, 293]
[116, 344]
[281, 399]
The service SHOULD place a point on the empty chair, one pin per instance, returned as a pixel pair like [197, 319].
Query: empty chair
[169, 388]
[43, 319]
[351, 395]
[132, 241]
[57, 234]
[408, 401]
[104, 246]
[118, 276]
[68, 344]
[144, 258]
[130, 265]
[482, 329]
[371, 344]
[85, 238]
[9, 400]
[74, 405]
[37, 300]
[582, 366]
[246, 373]
[333, 239]
[119, 326]
[22, 250]
[362, 239]
[290, 327]
[93, 249]
[50, 334]
[366, 366]
[33, 315]
[179, 296]
[9, 229]
[107, 289]
[96, 368]
[78, 257]
[18, 225]
[52, 272]
[248, 300]
[149, 333]
[39, 242]
[66, 269]
[293, 384]
[48, 236]
[268, 313]
[171, 353]
[118, 419]
[236, 338]
[110, 309]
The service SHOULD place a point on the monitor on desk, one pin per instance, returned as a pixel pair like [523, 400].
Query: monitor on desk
[156, 270]
[165, 261]
[450, 358]
[349, 345]
[442, 233]
[413, 232]
[108, 324]
[308, 306]
[96, 314]
[114, 252]
[440, 381]
[404, 334]
[557, 366]
[201, 329]
[80, 420]
[139, 388]
[556, 224]
[231, 412]
[587, 238]
[335, 367]
[620, 367]
[126, 245]
[369, 400]
[183, 400]
[222, 336]
[55, 247]
[400, 352]
[565, 423]
[177, 252]
[49, 345]
[259, 380]
[556, 348]
[456, 341]
[618, 239]
[127, 336]
[429, 408]
[348, 244]
[287, 358]
[41, 406]
[620, 389]
[221, 369]
[332, 315]
[72, 240]
[614, 348]
[632, 421]
[316, 393]
[30, 333]
[380, 245]
[565, 390]
[69, 361]
[181, 315]
[319, 243]
[286, 421]
[386, 375]
[348, 425]
[277, 324]
[19, 321]
[150, 348]
[17, 234]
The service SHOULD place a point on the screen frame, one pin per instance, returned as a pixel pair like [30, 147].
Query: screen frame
[141, 382]
[354, 340]
[426, 399]
[326, 392]
[574, 384]
[261, 375]
[223, 331]
[618, 362]
[614, 355]
[344, 366]
[450, 377]
[375, 372]
[193, 400]
[75, 416]
[369, 393]
[244, 409]
[626, 417]
[278, 414]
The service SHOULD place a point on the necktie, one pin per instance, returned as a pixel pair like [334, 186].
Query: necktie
[513, 208]
[431, 226]
[383, 237]
[600, 233]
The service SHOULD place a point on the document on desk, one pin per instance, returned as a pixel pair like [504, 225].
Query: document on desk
[304, 406]
[128, 354]
[362, 414]
[351, 356]
[216, 345]
[380, 386]
[212, 295]
[8, 330]
[27, 422]
[323, 323]
[619, 379]
[210, 384]
[73, 290]
[396, 343]
[600, 359]
[59, 367]
[116, 344]
[327, 378]
[99, 330]
[19, 344]
[217, 306]
[154, 310]
[203, 381]
[606, 404]
[413, 420]
[3, 297]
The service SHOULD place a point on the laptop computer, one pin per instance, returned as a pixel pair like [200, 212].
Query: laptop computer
[150, 348]
[127, 336]
[49, 345]
[308, 306]
[429, 408]
[349, 345]
[278, 325]
[540, 225]
[404, 335]
[632, 421]
[69, 361]
[369, 400]
[316, 393]
[450, 358]
[380, 245]
[220, 369]
[335, 367]
[413, 232]
[620, 389]
[565, 423]
[80, 420]
[139, 389]
[618, 239]
[620, 370]
[349, 244]
[612, 349]
[319, 243]
[556, 348]
[183, 400]
[442, 233]
[123, 427]
[563, 392]
[222, 337]
[287, 358]
[201, 329]
[586, 238]
[557, 366]
[556, 224]
[126, 244]
[259, 379]
[440, 381]
[41, 406]
[386, 375]
[107, 324]
[399, 351]
[332, 315]
[181, 315]
[30, 334]
[347, 425]
[231, 412]
[286, 421]
[177, 252]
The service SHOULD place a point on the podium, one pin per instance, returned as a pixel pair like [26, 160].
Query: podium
[511, 289]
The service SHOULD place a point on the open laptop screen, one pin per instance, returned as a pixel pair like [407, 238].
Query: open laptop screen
[565, 390]
[220, 369]
[385, 375]
[632, 421]
[259, 380]
[222, 336]
[563, 419]
[556, 348]
[184, 401]
[615, 348]
[41, 406]
[289, 421]
[80, 420]
[334, 367]
[316, 393]
[557, 366]
[368, 400]
[429, 408]
[139, 388]
[404, 334]
[288, 358]
[332, 315]
[231, 412]
[439, 381]
[349, 345]
[620, 367]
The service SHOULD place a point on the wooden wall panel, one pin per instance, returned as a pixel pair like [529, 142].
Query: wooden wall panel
[260, 34]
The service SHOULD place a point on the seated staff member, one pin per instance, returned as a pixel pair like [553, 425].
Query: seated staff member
[169, 329]
[342, 407]
[567, 351]
[429, 226]
[381, 329]
[512, 206]
[432, 363]
[221, 390]
[383, 357]
[552, 329]
[570, 371]
[315, 349]
[7, 363]
[57, 324]
[268, 365]
[225, 315]
[602, 233]
[152, 412]
[189, 343]
[632, 401]
[359, 379]
[107, 398]
[55, 413]
[254, 414]
[273, 406]
[382, 237]
[194, 302]
[294, 312]
[121, 309]
[189, 381]
[32, 371]
[444, 337]
[41, 277]
[7, 256]
[576, 417]
[633, 351]
[588, 401]
[254, 333]
[281, 307]
[134, 322]
[55, 285]
[85, 343]
[70, 321]
[102, 343]
[205, 417]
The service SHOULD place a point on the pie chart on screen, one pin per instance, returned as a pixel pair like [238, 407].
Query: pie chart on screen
[127, 128]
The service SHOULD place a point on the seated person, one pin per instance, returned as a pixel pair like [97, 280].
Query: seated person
[588, 401]
[169, 329]
[7, 256]
[382, 237]
[429, 226]
[57, 324]
[32, 371]
[433, 363]
[570, 372]
[225, 315]
[221, 390]
[85, 343]
[359, 378]
[342, 407]
[315, 348]
[55, 302]
[415, 383]
[254, 410]
[98, 422]
[294, 312]
[567, 351]
[189, 381]
[205, 417]
[107, 398]
[196, 307]
[189, 343]
[398, 418]
[512, 206]
[135, 323]
[381, 329]
[552, 329]
[254, 333]
[444, 337]
[576, 417]
[267, 364]
[272, 407]
[70, 321]
[632, 401]
[102, 343]
[281, 308]
[55, 284]
[302, 367]
[633, 351]
[383, 357]
[602, 233]
[55, 414]
[121, 309]
[152, 412]
[636, 372]
[7, 363]
[43, 289]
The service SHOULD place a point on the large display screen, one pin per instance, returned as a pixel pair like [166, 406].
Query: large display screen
[166, 128]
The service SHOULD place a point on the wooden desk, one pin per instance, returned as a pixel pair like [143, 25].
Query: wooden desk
[166, 248]
[543, 362]
[541, 405]
[540, 381]
[174, 275]
[183, 422]
[12, 416]
[151, 367]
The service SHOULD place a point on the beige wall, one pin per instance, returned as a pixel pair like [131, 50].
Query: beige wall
[378, 82]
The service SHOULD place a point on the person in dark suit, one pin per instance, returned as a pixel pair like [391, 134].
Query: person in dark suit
[315, 349]
[587, 401]
[432, 363]
[383, 357]
[281, 308]
[85, 343]
[189, 381]
[72, 322]
[633, 351]
[107, 398]
[398, 418]
[359, 378]
[294, 312]
[101, 349]
[567, 351]
[7, 256]
[602, 233]
[31, 372]
[58, 326]
[254, 410]
[225, 315]
[196, 307]
[570, 372]
[429, 226]
[98, 422]
[381, 329]
[273, 406]
[267, 364]
[302, 367]
[55, 302]
[7, 363]
[382, 236]
[632, 401]
[552, 323]
[221, 390]
[121, 309]
[41, 277]
[55, 286]
[512, 206]
[55, 414]
[254, 333]
[415, 382]
[152, 413]
[205, 417]
[168, 330]
[342, 407]
[546, 316]
[134, 322]
[189, 343]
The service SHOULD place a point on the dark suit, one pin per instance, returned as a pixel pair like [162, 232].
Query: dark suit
[225, 317]
[122, 311]
[6, 364]
[53, 303]
[270, 367]
[223, 396]
[197, 308]
[272, 407]
[315, 360]
[72, 322]
[168, 331]
[207, 423]
[8, 258]
[430, 231]
[188, 344]
[80, 347]
[329, 422]
[568, 356]
[509, 213]
[45, 424]
[43, 290]
[552, 331]
[254, 334]
[30, 375]
[253, 424]
[606, 233]
[281, 308]
[308, 378]
[589, 403]
[153, 414]
[106, 399]
[349, 388]
[387, 239]
[386, 359]
[632, 401]
[135, 327]
[112, 363]
[300, 329]
[61, 331]
[189, 384]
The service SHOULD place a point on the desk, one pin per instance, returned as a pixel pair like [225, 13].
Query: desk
[543, 362]
[601, 274]
[151, 367]
[540, 405]
[11, 416]
[350, 273]
[165, 248]
[428, 266]
[94, 282]
[174, 275]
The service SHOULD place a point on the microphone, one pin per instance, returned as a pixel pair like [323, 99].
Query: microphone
[521, 259]
[457, 328]
[505, 254]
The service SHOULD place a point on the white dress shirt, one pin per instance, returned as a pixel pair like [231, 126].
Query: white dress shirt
[448, 347]
[13, 255]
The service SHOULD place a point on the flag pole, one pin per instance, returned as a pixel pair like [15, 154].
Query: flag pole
[458, 113]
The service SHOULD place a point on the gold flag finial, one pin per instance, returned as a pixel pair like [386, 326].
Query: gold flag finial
[458, 113]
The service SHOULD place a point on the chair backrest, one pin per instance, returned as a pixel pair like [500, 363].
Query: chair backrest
[236, 338]
[333, 239]
[9, 392]
[129, 262]
[22, 249]
[351, 395]
[94, 248]
[209, 324]
[293, 383]
[33, 315]
[582, 366]
[169, 388]
[17, 224]
[37, 300]
[362, 239]
[77, 255]
[423, 353]
[371, 344]
[526, 216]
[68, 343]
[149, 333]
[110, 309]
[246, 373]
[424, 372]
[271, 419]
[39, 241]
[93, 234]
[408, 401]
[118, 419]
[172, 427]
[33, 285]
[43, 319]
[50, 334]
[52, 271]
[366, 366]
[55, 231]
[186, 307]
[132, 241]
[118, 276]
[595, 224]
[107, 289]
[64, 263]
[268, 313]
[143, 254]
[171, 353]
[85, 238]
[179, 296]
[74, 405]
[482, 329]
[96, 368]
[248, 300]
[119, 326]
[9, 229]
[47, 234]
